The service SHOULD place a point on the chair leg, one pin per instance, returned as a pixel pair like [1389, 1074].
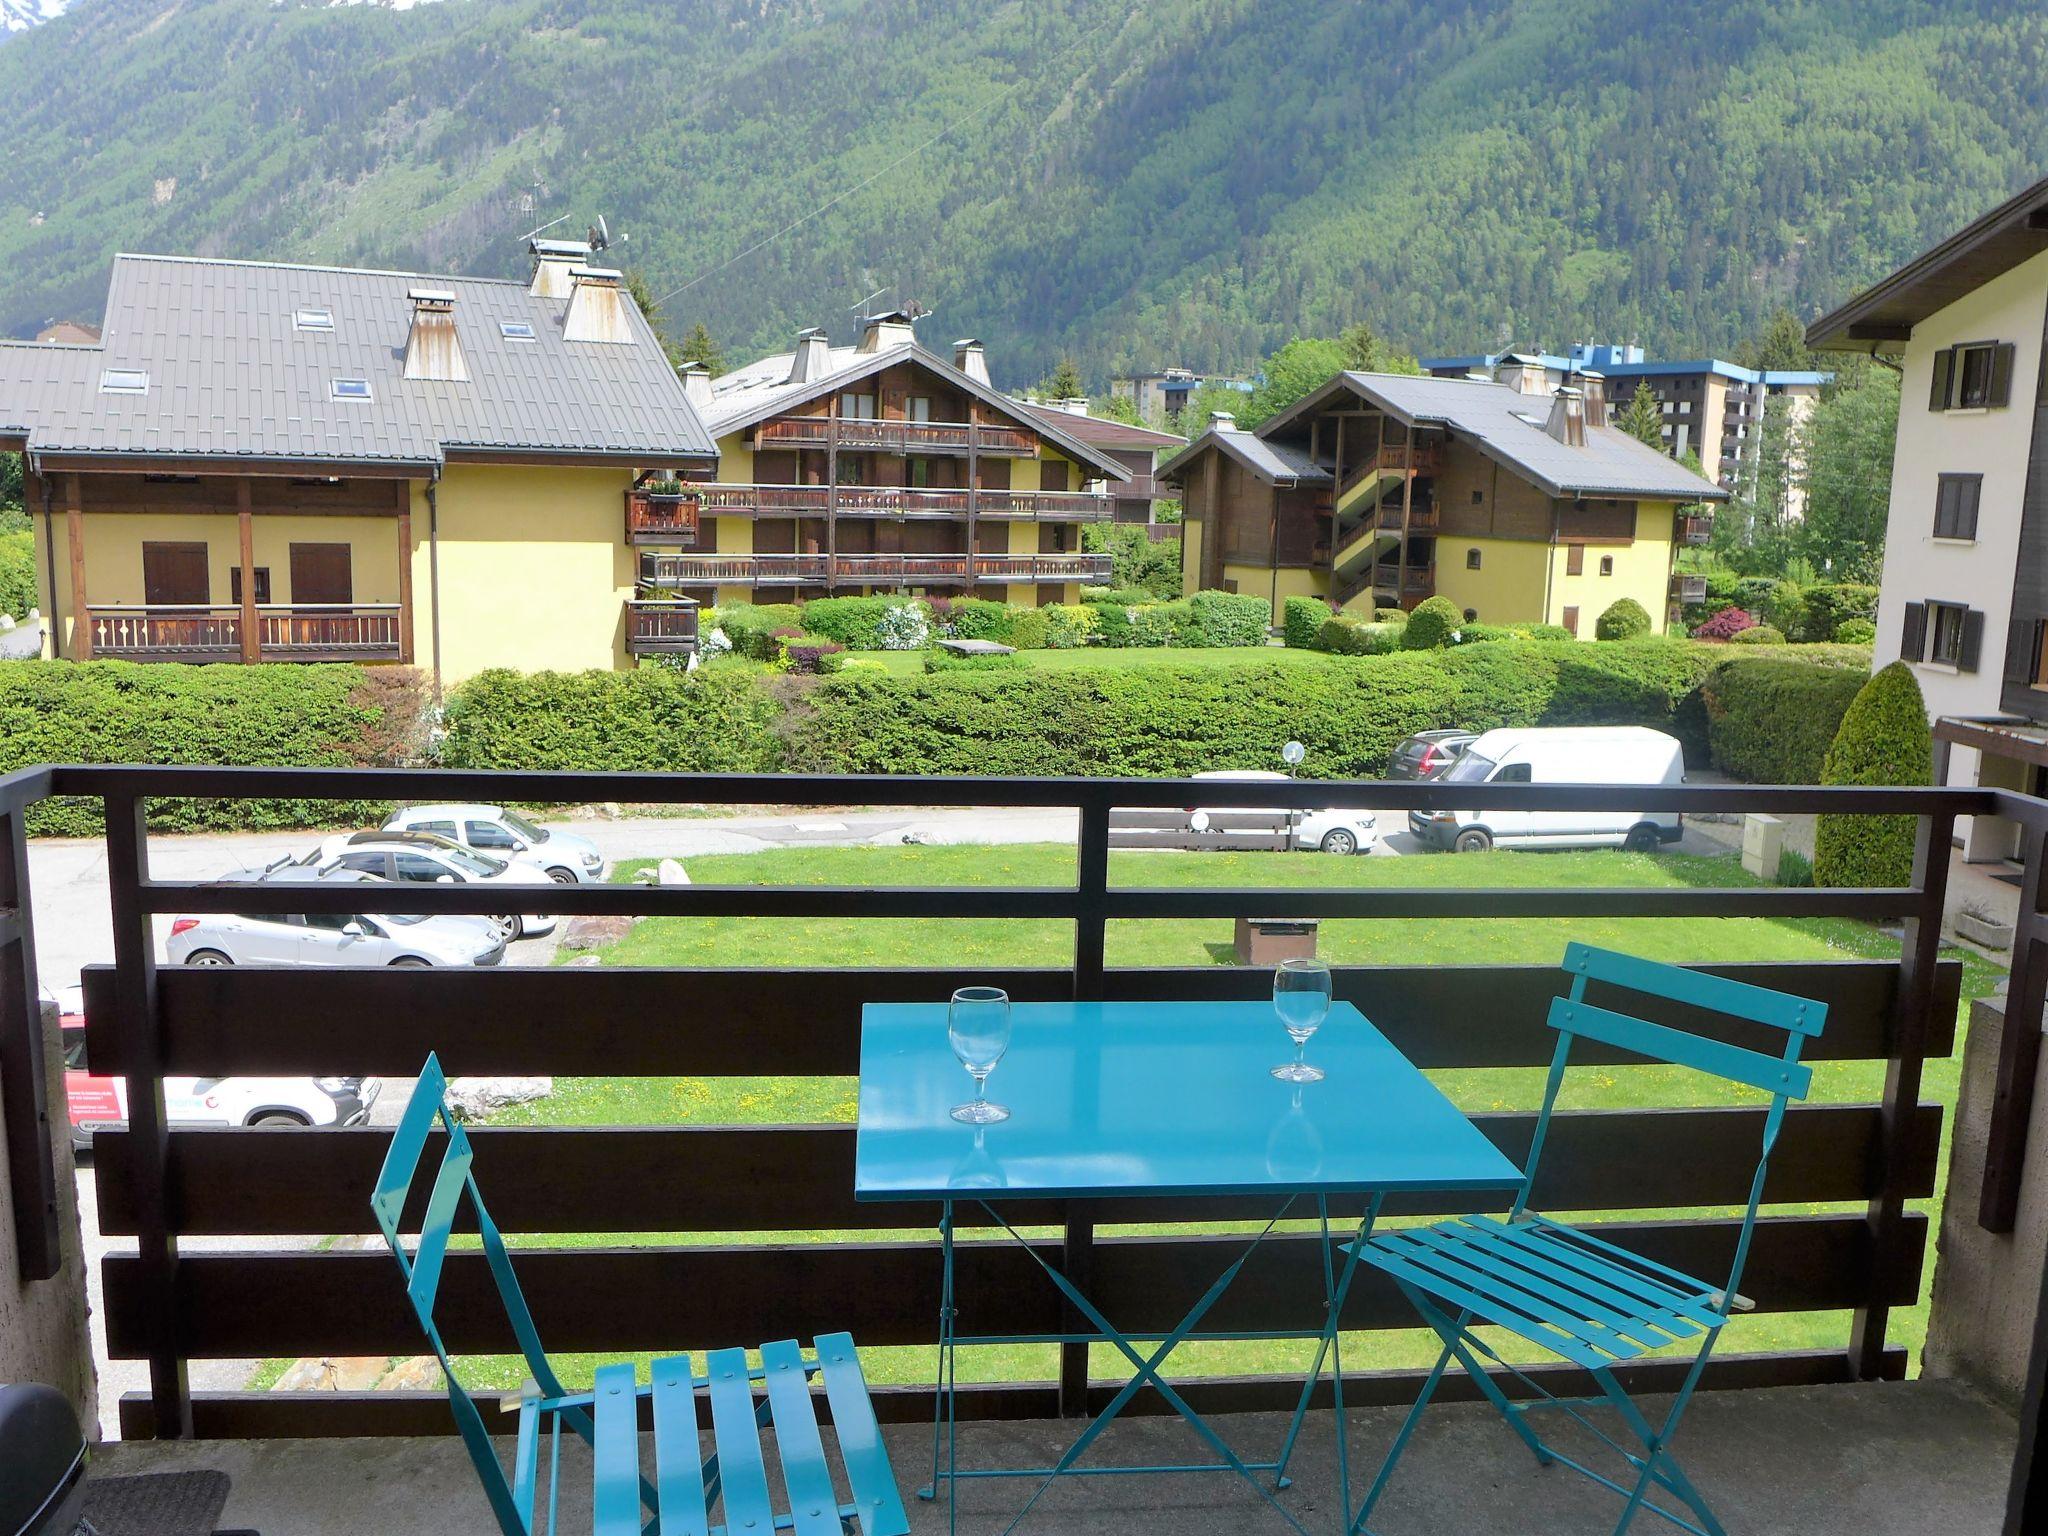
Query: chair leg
[1379, 1482]
[1452, 1332]
[1659, 1465]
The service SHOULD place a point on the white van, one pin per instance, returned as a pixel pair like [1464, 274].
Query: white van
[1605, 754]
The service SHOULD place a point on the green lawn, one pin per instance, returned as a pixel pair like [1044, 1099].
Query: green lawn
[881, 941]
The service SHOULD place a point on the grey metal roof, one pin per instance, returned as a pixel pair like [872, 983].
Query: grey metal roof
[231, 377]
[1508, 426]
[1271, 462]
[762, 389]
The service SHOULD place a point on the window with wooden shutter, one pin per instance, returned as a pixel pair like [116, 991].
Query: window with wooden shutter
[1574, 559]
[1913, 638]
[1980, 375]
[2022, 651]
[1944, 373]
[1955, 506]
[1955, 635]
[1571, 621]
[1972, 648]
[2001, 374]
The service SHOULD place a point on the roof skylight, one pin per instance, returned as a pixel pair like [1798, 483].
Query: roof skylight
[515, 330]
[350, 389]
[124, 381]
[312, 319]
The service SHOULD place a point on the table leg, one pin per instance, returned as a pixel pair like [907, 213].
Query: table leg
[1336, 1288]
[943, 1414]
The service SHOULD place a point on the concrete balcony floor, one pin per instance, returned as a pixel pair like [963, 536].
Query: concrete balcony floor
[1819, 1461]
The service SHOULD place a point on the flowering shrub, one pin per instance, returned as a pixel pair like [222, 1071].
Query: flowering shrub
[1725, 625]
[717, 643]
[904, 628]
[811, 653]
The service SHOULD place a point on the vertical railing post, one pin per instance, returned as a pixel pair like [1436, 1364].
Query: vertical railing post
[1091, 922]
[2026, 1503]
[24, 1094]
[1919, 952]
[148, 1138]
[2019, 1047]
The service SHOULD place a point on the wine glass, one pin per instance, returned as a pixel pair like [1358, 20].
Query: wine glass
[978, 1024]
[1301, 996]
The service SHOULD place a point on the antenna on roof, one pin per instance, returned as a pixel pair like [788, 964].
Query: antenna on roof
[543, 229]
[862, 306]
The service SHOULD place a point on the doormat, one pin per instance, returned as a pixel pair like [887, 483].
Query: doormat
[154, 1504]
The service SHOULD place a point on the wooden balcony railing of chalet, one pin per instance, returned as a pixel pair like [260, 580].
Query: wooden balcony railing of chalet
[882, 436]
[1688, 589]
[905, 501]
[216, 1266]
[868, 569]
[1696, 528]
[213, 632]
[1421, 519]
[1428, 458]
[654, 519]
[661, 626]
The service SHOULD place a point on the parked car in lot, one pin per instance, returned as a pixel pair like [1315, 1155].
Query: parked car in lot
[332, 938]
[101, 1103]
[496, 832]
[427, 858]
[1429, 754]
[1345, 831]
[1621, 754]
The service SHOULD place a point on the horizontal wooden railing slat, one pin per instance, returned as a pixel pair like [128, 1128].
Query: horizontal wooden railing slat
[649, 1022]
[799, 1178]
[246, 1305]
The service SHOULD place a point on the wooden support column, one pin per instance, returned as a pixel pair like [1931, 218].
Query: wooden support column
[1336, 494]
[405, 572]
[245, 527]
[1372, 570]
[973, 489]
[74, 530]
[831, 496]
[1407, 511]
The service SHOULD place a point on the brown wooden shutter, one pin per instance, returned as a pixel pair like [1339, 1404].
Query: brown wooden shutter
[322, 573]
[1944, 368]
[1973, 640]
[1913, 641]
[1575, 559]
[1571, 621]
[1972, 492]
[2021, 641]
[2001, 374]
[174, 574]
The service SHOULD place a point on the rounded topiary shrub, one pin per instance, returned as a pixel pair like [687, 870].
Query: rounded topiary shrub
[1624, 619]
[1301, 621]
[1431, 625]
[1884, 739]
[1758, 634]
[1391, 615]
[1856, 632]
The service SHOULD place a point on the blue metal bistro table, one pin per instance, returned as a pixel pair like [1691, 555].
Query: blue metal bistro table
[1166, 1101]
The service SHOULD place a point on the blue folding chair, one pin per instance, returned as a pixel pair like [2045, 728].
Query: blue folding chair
[684, 1489]
[1585, 1300]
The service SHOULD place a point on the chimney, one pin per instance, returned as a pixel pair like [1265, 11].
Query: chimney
[1523, 374]
[696, 383]
[553, 261]
[811, 358]
[1595, 387]
[879, 333]
[1222, 421]
[1567, 421]
[432, 349]
[597, 307]
[971, 360]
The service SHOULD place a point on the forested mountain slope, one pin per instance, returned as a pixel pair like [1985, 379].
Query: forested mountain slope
[1127, 181]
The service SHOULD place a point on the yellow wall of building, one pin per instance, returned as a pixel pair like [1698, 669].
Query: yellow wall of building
[1508, 586]
[735, 535]
[1642, 570]
[735, 460]
[1190, 555]
[535, 570]
[1264, 581]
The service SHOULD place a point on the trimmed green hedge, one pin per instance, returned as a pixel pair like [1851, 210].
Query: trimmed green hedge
[1431, 625]
[17, 572]
[1228, 618]
[713, 720]
[1301, 621]
[1770, 722]
[1884, 739]
[753, 627]
[276, 716]
[1624, 619]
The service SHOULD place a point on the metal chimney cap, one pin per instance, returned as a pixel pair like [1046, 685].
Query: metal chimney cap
[1222, 419]
[966, 342]
[431, 295]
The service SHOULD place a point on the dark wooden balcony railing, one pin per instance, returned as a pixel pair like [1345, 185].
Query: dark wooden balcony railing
[868, 568]
[661, 626]
[905, 501]
[879, 436]
[1428, 458]
[1688, 589]
[1659, 1175]
[652, 519]
[664, 570]
[213, 632]
[1696, 528]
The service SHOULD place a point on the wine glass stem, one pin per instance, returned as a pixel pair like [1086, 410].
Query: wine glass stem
[1300, 1051]
[980, 1088]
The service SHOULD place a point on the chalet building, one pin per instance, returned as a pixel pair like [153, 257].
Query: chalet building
[1709, 407]
[1380, 490]
[1965, 585]
[878, 467]
[265, 462]
[1137, 449]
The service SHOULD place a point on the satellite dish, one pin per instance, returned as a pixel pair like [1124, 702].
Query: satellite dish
[1199, 822]
[600, 237]
[1293, 753]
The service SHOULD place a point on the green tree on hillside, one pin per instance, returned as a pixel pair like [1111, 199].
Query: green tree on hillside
[1849, 477]
[1643, 417]
[1063, 383]
[1366, 351]
[1115, 407]
[1781, 345]
[698, 347]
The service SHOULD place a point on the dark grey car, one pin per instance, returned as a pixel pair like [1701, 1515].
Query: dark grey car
[1429, 754]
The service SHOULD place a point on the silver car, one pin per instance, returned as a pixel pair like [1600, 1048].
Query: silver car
[423, 858]
[500, 832]
[330, 938]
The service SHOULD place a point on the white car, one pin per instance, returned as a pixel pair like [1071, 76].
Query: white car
[423, 858]
[497, 832]
[1345, 831]
[332, 938]
[1586, 754]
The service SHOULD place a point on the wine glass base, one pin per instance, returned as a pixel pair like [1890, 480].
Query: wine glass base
[984, 1113]
[1298, 1072]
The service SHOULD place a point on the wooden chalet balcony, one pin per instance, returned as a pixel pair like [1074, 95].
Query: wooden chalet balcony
[903, 501]
[652, 519]
[1394, 456]
[880, 436]
[1688, 589]
[661, 626]
[201, 632]
[1696, 529]
[868, 569]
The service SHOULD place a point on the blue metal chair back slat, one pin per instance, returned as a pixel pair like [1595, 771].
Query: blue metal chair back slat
[687, 1484]
[1570, 1291]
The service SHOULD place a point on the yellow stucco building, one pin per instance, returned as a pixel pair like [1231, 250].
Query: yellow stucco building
[1380, 490]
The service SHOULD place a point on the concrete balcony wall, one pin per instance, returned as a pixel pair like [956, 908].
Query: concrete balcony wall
[42, 1323]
